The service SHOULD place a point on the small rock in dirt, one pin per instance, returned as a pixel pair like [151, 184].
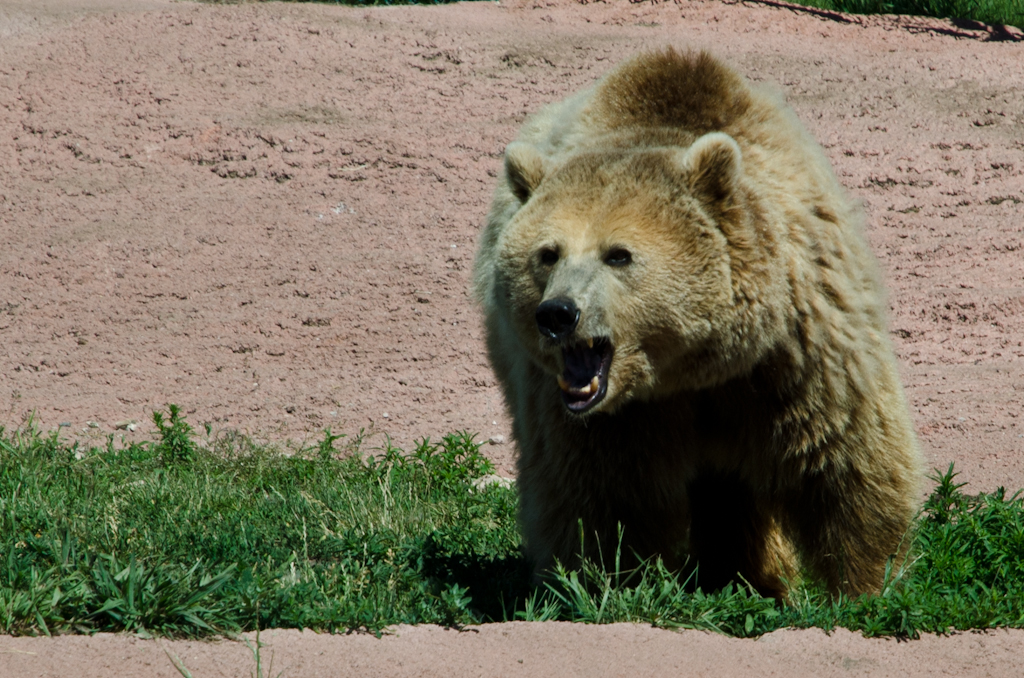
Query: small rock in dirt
[482, 483]
[126, 425]
[92, 424]
[496, 440]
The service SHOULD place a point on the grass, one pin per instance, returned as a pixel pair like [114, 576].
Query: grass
[998, 12]
[177, 538]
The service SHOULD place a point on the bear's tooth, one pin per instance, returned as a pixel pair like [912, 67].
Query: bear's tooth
[562, 383]
[590, 342]
[586, 390]
[595, 383]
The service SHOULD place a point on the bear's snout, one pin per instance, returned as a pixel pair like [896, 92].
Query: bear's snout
[557, 318]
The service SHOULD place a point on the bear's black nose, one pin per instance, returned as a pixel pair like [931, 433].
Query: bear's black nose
[557, 318]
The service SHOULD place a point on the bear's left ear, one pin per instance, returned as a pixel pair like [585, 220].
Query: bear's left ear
[712, 165]
[524, 169]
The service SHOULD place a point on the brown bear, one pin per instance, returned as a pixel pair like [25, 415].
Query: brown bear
[690, 334]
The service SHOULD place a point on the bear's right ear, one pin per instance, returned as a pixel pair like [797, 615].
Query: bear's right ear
[713, 165]
[524, 169]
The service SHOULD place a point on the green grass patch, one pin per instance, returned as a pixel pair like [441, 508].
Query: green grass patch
[174, 537]
[998, 12]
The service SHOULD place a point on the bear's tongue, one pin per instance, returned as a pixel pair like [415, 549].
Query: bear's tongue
[585, 379]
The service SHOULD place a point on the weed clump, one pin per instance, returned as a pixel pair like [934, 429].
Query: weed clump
[996, 12]
[175, 445]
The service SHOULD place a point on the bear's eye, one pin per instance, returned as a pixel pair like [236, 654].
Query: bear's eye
[548, 256]
[618, 257]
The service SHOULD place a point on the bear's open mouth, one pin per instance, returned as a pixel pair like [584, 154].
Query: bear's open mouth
[585, 379]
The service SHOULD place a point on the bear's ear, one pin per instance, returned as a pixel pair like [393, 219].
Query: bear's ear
[712, 166]
[524, 169]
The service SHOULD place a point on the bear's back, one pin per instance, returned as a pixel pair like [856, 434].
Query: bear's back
[688, 91]
[661, 98]
[670, 98]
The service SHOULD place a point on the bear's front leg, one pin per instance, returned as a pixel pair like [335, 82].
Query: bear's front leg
[848, 522]
[733, 532]
[599, 533]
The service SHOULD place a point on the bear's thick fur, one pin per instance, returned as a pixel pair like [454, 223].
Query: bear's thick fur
[690, 333]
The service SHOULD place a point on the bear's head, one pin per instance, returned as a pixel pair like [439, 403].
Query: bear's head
[618, 271]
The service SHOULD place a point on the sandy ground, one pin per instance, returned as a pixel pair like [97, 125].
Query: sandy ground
[534, 650]
[267, 214]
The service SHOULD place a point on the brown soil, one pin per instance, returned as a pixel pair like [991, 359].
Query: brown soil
[267, 214]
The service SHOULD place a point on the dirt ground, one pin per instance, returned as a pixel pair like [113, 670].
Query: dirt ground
[533, 650]
[267, 214]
